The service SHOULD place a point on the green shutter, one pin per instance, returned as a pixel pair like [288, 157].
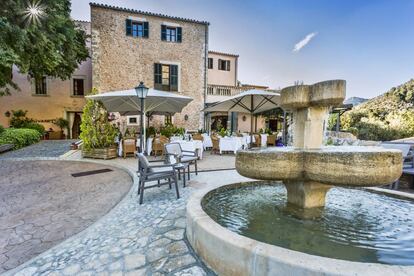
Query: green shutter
[174, 77]
[163, 32]
[146, 29]
[179, 34]
[157, 76]
[128, 27]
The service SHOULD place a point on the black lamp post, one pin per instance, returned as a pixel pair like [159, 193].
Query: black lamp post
[142, 92]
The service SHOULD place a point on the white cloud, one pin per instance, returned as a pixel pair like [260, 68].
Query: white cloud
[298, 46]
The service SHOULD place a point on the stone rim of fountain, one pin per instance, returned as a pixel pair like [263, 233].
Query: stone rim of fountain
[229, 253]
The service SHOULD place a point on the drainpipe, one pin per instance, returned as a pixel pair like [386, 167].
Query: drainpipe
[205, 70]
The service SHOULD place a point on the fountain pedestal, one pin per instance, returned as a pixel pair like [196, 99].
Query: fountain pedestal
[306, 194]
[309, 170]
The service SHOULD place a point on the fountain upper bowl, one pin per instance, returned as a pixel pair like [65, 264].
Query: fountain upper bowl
[339, 166]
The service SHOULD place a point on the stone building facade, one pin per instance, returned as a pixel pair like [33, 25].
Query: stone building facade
[167, 53]
[57, 98]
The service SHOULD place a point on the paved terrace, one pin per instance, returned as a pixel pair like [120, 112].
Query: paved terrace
[131, 239]
[42, 204]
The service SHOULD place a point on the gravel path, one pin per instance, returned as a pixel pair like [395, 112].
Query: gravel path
[46, 148]
[42, 204]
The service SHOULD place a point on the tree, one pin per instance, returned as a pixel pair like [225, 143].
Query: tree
[97, 132]
[40, 38]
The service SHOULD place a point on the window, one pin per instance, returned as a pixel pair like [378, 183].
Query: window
[136, 28]
[210, 63]
[224, 65]
[173, 34]
[168, 120]
[78, 87]
[166, 77]
[132, 120]
[41, 86]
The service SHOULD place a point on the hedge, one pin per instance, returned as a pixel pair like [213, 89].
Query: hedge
[19, 137]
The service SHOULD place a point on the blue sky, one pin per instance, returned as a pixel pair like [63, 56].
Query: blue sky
[369, 43]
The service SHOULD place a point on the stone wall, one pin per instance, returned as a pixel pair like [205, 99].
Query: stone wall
[121, 62]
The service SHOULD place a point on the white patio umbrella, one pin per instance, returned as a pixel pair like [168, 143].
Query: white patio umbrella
[250, 101]
[157, 102]
[126, 102]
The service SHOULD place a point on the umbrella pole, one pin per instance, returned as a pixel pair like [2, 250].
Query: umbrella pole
[251, 129]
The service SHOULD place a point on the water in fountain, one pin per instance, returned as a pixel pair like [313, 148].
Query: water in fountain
[355, 225]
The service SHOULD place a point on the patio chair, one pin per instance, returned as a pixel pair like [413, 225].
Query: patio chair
[408, 158]
[174, 151]
[197, 136]
[129, 146]
[158, 144]
[271, 140]
[216, 144]
[257, 140]
[149, 173]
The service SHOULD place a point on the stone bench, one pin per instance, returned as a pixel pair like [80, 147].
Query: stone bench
[6, 147]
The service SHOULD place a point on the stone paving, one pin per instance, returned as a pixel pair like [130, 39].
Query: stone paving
[46, 148]
[132, 239]
[41, 204]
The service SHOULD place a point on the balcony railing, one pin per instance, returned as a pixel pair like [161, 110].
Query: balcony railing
[224, 90]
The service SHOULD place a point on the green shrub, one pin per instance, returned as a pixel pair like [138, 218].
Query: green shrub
[36, 126]
[61, 123]
[171, 130]
[1, 129]
[97, 132]
[19, 120]
[19, 137]
[151, 131]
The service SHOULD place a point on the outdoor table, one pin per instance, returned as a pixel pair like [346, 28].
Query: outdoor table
[183, 167]
[207, 142]
[148, 148]
[263, 140]
[176, 138]
[230, 144]
[248, 139]
[194, 145]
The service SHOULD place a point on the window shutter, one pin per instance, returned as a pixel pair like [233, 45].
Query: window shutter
[128, 27]
[174, 77]
[163, 32]
[219, 65]
[146, 29]
[157, 76]
[228, 65]
[179, 34]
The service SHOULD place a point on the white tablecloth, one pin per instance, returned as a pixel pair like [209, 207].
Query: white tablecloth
[147, 150]
[194, 145]
[230, 144]
[176, 138]
[207, 142]
[263, 140]
[247, 139]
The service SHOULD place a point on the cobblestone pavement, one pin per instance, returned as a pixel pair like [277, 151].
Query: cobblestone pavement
[46, 148]
[41, 204]
[132, 239]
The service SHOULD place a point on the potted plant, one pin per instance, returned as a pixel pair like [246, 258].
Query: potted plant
[62, 124]
[223, 132]
[98, 134]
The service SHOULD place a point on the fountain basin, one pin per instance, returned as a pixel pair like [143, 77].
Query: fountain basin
[339, 166]
[229, 253]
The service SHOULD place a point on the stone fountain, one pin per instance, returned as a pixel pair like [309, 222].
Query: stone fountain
[309, 170]
[248, 228]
